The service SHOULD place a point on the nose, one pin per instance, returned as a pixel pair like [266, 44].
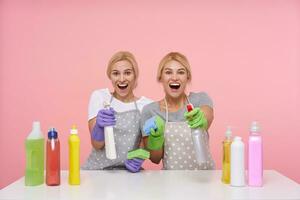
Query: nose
[174, 76]
[122, 77]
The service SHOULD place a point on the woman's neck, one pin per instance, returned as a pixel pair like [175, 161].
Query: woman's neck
[126, 99]
[174, 104]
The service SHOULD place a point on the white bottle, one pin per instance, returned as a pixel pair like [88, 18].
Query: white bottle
[109, 139]
[237, 165]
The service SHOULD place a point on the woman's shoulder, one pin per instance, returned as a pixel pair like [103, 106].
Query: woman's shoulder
[101, 93]
[200, 99]
[151, 106]
[144, 100]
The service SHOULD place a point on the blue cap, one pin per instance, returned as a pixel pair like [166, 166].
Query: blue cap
[52, 133]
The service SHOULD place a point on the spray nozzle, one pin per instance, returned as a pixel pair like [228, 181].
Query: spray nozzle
[254, 127]
[74, 130]
[189, 107]
[106, 104]
[228, 132]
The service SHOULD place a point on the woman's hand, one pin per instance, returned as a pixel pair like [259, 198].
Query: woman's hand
[196, 119]
[156, 138]
[105, 117]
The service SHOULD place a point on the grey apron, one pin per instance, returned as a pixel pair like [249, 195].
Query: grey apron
[179, 153]
[127, 137]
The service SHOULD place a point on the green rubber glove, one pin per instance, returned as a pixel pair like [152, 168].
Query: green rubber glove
[196, 119]
[138, 153]
[156, 138]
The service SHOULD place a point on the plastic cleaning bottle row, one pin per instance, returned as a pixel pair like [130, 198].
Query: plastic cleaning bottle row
[233, 167]
[233, 171]
[34, 173]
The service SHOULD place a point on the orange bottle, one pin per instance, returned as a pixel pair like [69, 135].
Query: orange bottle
[53, 159]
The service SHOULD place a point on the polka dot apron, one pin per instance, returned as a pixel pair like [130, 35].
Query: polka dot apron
[127, 137]
[179, 153]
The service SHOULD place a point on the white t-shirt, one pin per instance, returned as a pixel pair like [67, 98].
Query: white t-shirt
[98, 98]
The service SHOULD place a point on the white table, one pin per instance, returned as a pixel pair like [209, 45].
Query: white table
[154, 185]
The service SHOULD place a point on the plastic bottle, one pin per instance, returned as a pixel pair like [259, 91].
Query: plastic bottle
[53, 158]
[226, 157]
[109, 139]
[237, 165]
[34, 144]
[255, 157]
[74, 157]
[199, 142]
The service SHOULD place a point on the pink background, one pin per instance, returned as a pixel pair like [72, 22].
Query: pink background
[245, 55]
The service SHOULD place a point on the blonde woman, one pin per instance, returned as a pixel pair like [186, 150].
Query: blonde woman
[124, 115]
[167, 125]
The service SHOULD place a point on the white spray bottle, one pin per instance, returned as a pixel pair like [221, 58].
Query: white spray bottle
[110, 146]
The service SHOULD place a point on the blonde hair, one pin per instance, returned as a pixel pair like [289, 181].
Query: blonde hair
[120, 56]
[177, 57]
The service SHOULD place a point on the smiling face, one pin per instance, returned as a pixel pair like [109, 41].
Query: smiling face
[174, 78]
[123, 78]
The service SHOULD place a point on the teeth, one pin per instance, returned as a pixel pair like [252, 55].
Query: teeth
[174, 84]
[122, 85]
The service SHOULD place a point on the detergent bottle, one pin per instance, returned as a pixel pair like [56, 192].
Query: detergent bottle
[34, 145]
[52, 158]
[255, 156]
[74, 157]
[226, 156]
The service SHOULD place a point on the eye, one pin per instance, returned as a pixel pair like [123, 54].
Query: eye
[128, 73]
[115, 73]
[168, 72]
[181, 72]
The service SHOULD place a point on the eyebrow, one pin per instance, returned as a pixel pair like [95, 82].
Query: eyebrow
[182, 68]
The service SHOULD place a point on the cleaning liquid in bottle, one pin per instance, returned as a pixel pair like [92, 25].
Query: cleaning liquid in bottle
[198, 137]
[226, 156]
[74, 157]
[255, 156]
[109, 139]
[53, 158]
[237, 165]
[34, 144]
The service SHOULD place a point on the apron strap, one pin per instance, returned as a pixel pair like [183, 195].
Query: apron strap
[167, 111]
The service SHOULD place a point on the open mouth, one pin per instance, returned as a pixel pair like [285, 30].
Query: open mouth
[174, 86]
[122, 86]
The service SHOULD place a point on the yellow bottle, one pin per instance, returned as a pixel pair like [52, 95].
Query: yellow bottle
[226, 157]
[74, 157]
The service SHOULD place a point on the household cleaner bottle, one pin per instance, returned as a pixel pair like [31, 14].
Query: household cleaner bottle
[200, 146]
[74, 157]
[53, 158]
[34, 144]
[255, 156]
[109, 139]
[237, 165]
[226, 156]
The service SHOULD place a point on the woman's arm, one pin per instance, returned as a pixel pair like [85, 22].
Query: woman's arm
[155, 155]
[96, 144]
[209, 114]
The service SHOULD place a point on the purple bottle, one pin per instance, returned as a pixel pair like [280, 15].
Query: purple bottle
[255, 157]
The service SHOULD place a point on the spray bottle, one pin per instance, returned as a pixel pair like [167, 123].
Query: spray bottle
[74, 157]
[34, 144]
[53, 158]
[109, 139]
[226, 156]
[255, 156]
[198, 137]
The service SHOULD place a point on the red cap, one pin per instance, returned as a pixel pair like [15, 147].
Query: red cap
[189, 107]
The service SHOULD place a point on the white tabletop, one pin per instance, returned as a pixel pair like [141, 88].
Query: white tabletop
[154, 185]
